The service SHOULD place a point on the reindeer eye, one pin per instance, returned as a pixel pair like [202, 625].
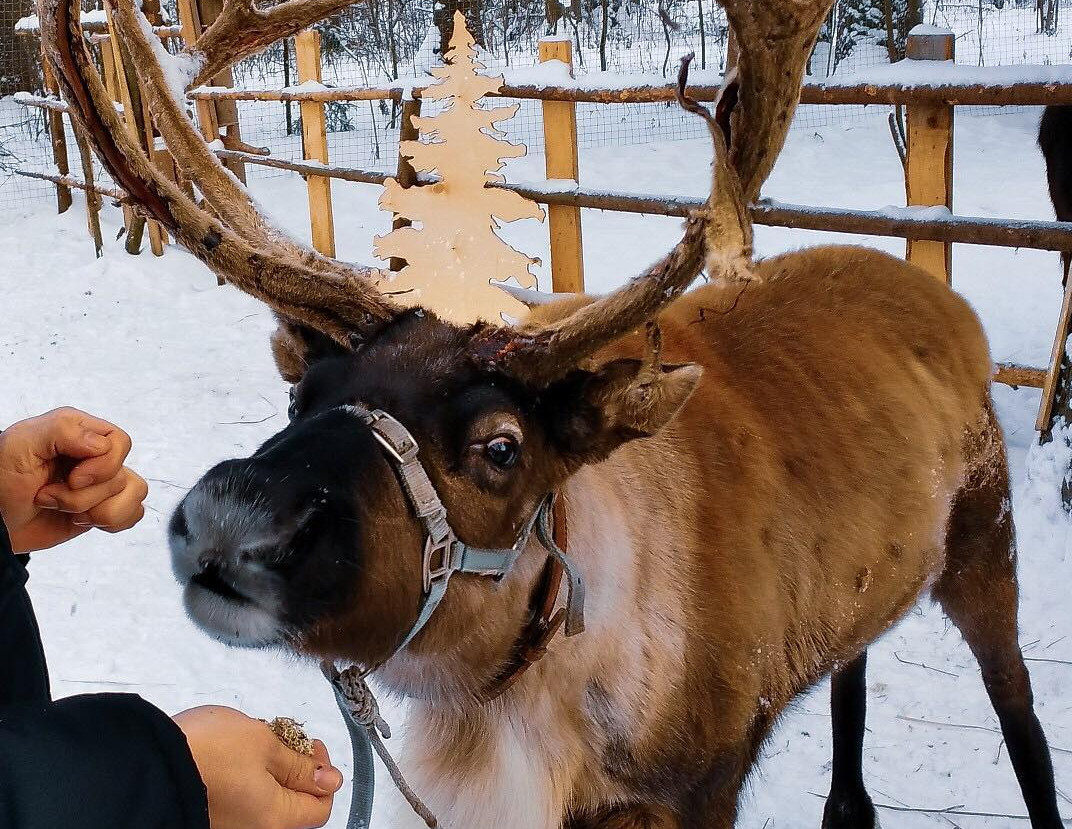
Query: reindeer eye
[503, 451]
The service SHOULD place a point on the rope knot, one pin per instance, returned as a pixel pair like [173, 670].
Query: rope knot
[361, 702]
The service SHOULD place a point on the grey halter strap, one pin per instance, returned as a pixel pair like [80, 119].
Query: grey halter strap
[444, 555]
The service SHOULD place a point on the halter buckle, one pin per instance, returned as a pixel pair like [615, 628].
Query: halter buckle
[440, 559]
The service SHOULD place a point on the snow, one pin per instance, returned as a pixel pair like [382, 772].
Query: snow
[308, 86]
[928, 30]
[156, 346]
[179, 70]
[909, 74]
[933, 73]
[31, 23]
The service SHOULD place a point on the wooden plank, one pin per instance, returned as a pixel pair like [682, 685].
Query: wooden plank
[70, 181]
[158, 237]
[406, 176]
[227, 126]
[562, 162]
[315, 141]
[93, 199]
[1011, 374]
[135, 223]
[951, 94]
[970, 230]
[929, 166]
[58, 137]
[1057, 360]
[190, 18]
[111, 84]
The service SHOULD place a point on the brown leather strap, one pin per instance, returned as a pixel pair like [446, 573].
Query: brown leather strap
[543, 624]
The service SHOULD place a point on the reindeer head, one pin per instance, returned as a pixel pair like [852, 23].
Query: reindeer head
[314, 533]
[313, 541]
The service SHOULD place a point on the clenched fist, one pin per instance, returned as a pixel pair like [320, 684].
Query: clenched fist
[61, 474]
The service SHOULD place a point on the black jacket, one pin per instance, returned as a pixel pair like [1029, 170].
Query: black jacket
[98, 761]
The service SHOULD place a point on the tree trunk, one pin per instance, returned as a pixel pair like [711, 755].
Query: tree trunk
[913, 16]
[604, 25]
[1051, 17]
[443, 18]
[553, 13]
[891, 31]
[703, 34]
[288, 112]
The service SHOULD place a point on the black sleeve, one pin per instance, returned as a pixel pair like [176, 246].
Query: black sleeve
[102, 761]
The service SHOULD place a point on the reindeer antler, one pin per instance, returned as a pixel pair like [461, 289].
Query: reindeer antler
[775, 39]
[234, 240]
[756, 106]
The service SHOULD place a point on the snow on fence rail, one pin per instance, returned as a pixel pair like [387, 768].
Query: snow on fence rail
[899, 84]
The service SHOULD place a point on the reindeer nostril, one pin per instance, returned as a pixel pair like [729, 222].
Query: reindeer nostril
[179, 528]
[211, 577]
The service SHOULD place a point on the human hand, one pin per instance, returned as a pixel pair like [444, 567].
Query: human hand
[253, 780]
[61, 474]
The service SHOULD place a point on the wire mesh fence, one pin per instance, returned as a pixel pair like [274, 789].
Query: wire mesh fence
[383, 40]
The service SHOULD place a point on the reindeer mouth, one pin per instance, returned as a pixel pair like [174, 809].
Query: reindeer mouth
[212, 579]
[222, 610]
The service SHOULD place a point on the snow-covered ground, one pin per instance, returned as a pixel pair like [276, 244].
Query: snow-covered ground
[154, 345]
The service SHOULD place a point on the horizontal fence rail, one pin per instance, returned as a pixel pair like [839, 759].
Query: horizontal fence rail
[997, 93]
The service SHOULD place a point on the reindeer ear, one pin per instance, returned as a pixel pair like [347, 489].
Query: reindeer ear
[296, 347]
[593, 413]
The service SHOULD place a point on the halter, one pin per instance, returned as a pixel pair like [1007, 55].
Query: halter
[444, 555]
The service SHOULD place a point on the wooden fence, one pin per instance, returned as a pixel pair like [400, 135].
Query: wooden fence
[928, 224]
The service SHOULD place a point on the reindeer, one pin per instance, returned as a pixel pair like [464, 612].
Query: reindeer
[758, 479]
[1055, 140]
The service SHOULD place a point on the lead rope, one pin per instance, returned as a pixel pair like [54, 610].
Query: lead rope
[368, 730]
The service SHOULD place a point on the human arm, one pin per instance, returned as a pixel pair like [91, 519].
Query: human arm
[113, 761]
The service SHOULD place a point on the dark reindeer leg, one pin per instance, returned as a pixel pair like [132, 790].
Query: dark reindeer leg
[979, 593]
[849, 806]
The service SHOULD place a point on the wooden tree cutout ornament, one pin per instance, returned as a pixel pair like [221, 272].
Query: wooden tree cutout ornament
[452, 250]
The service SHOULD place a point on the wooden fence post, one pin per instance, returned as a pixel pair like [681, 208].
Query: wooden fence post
[59, 140]
[315, 141]
[929, 163]
[406, 175]
[125, 89]
[560, 150]
[217, 119]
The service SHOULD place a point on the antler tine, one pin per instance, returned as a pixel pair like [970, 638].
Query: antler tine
[756, 107]
[242, 30]
[238, 245]
[545, 354]
[549, 353]
[775, 40]
[729, 224]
